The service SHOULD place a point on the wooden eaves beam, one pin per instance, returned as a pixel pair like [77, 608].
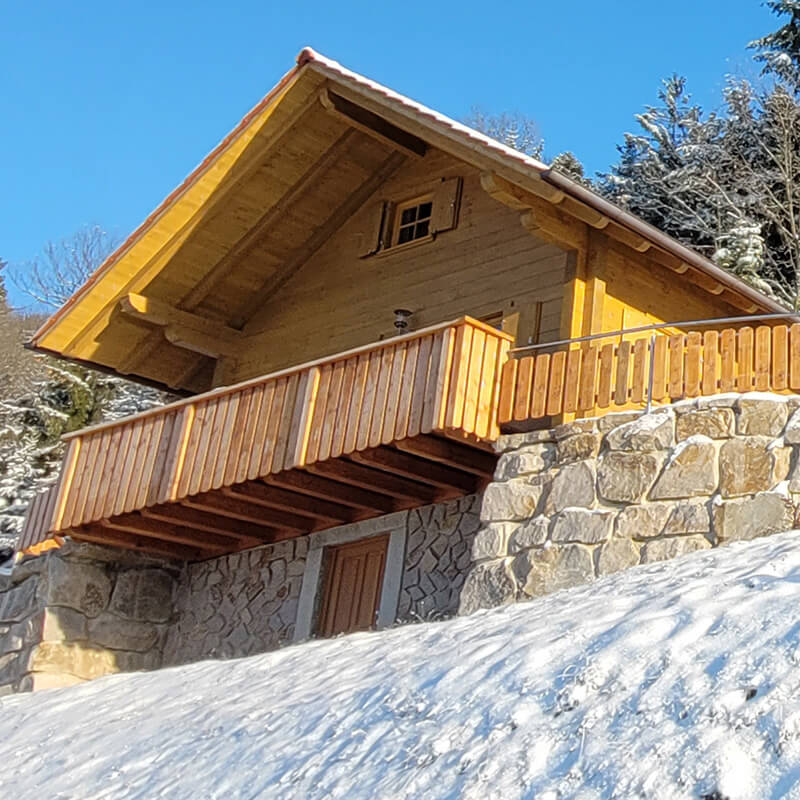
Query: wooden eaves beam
[183, 328]
[372, 124]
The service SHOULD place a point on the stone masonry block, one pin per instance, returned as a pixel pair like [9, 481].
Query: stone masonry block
[513, 500]
[760, 416]
[691, 471]
[750, 517]
[648, 432]
[573, 486]
[540, 572]
[627, 477]
[582, 525]
[716, 423]
[751, 465]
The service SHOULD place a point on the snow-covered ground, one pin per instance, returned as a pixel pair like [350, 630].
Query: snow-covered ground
[679, 680]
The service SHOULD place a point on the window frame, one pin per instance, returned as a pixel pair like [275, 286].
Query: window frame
[397, 226]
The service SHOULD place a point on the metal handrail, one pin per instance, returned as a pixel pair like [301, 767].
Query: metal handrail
[657, 326]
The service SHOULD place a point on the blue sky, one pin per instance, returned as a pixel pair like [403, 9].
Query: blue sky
[107, 106]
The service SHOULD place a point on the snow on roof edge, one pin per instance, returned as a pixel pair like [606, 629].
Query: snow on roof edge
[309, 55]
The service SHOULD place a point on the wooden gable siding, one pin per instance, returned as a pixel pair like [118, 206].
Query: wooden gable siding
[637, 291]
[487, 264]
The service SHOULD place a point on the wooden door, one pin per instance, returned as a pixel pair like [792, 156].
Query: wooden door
[352, 586]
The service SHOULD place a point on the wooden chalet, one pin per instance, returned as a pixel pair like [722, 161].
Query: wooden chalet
[339, 290]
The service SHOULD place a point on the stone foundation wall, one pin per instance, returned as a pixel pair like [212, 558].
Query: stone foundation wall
[438, 557]
[80, 612]
[237, 605]
[595, 496]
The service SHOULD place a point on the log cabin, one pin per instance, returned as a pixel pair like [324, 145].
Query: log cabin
[356, 295]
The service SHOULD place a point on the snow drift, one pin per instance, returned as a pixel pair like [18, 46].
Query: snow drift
[676, 680]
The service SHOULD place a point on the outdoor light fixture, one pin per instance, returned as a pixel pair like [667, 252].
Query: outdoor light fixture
[401, 317]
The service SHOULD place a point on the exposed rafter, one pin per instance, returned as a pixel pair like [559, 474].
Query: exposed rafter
[321, 235]
[242, 170]
[252, 238]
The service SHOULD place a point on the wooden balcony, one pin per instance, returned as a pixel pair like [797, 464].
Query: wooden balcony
[595, 377]
[387, 427]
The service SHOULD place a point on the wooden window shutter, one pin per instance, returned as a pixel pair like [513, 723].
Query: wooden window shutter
[446, 199]
[376, 227]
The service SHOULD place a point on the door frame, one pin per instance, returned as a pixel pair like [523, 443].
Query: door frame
[393, 524]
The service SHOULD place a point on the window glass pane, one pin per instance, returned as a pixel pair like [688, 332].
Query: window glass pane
[422, 229]
[408, 215]
[405, 235]
[425, 210]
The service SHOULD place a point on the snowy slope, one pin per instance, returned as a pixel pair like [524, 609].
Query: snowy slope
[668, 681]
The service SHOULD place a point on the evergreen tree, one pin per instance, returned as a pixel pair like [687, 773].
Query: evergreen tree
[42, 399]
[779, 51]
[511, 129]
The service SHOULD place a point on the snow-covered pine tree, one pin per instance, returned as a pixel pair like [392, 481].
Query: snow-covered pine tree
[511, 129]
[567, 163]
[779, 51]
[48, 398]
[727, 184]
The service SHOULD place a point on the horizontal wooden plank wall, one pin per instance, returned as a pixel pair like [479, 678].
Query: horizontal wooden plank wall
[443, 380]
[593, 377]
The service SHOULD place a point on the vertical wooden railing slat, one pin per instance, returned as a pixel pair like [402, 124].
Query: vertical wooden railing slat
[605, 381]
[638, 383]
[677, 388]
[382, 390]
[572, 381]
[434, 402]
[780, 360]
[346, 394]
[523, 388]
[404, 403]
[744, 358]
[508, 380]
[762, 360]
[623, 367]
[486, 392]
[710, 362]
[727, 370]
[693, 366]
[659, 356]
[280, 458]
[271, 428]
[588, 382]
[421, 379]
[392, 400]
[371, 389]
[149, 465]
[317, 398]
[555, 392]
[305, 419]
[504, 345]
[540, 382]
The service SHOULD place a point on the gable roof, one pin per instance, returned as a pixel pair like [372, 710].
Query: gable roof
[75, 330]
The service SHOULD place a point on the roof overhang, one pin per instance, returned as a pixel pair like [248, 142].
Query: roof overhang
[72, 332]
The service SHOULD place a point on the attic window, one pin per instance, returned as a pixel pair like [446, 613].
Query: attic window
[391, 224]
[413, 220]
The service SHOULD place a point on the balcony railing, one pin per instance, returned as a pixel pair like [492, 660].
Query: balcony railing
[439, 382]
[594, 376]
